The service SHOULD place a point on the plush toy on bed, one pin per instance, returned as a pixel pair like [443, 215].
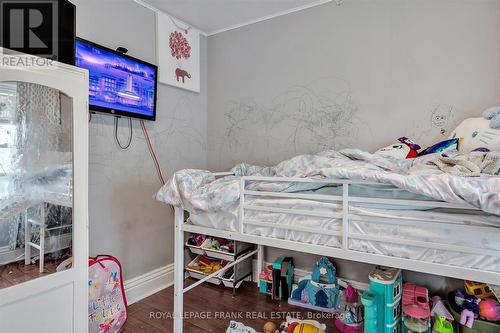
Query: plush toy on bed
[405, 148]
[493, 114]
[479, 134]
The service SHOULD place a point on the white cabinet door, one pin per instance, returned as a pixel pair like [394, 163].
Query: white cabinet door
[43, 190]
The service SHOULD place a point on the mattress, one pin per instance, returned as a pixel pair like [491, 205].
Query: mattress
[381, 191]
[371, 220]
[226, 220]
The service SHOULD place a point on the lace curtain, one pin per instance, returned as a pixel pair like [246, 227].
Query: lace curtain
[37, 159]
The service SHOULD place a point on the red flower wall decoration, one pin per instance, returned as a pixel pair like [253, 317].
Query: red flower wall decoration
[179, 45]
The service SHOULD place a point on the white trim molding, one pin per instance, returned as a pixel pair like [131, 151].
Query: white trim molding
[156, 10]
[243, 24]
[149, 283]
[271, 16]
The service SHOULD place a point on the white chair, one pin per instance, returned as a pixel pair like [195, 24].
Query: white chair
[28, 223]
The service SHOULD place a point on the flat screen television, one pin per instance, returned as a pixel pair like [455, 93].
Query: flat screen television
[118, 84]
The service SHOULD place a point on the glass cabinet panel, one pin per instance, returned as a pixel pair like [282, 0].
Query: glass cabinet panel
[36, 172]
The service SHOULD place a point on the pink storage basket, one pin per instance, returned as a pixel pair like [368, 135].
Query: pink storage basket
[107, 302]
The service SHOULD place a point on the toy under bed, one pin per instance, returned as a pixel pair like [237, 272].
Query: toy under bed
[385, 229]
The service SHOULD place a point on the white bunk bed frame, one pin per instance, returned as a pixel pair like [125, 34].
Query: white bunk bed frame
[342, 252]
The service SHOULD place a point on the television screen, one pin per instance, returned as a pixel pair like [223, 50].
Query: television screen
[118, 84]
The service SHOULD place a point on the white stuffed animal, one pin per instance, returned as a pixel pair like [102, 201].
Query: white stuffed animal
[475, 134]
[493, 114]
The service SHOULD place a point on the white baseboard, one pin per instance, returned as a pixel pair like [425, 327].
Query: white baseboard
[148, 284]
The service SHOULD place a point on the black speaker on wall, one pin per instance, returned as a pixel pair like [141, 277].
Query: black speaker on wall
[45, 28]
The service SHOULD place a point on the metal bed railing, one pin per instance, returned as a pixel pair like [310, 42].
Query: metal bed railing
[425, 219]
[349, 211]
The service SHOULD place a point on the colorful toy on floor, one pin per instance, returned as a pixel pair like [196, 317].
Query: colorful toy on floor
[320, 291]
[489, 309]
[236, 327]
[469, 307]
[416, 310]
[439, 308]
[293, 325]
[480, 290]
[283, 269]
[270, 327]
[405, 148]
[383, 301]
[441, 325]
[306, 328]
[442, 317]
[351, 318]
[370, 302]
[495, 290]
[266, 280]
[480, 326]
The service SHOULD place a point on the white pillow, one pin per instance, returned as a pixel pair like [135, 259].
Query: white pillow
[475, 134]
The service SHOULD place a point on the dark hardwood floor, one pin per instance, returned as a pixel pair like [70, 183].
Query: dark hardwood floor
[17, 272]
[209, 307]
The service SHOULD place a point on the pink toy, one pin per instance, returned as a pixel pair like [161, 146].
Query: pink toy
[439, 308]
[107, 302]
[489, 309]
[467, 318]
[416, 310]
[469, 306]
[267, 273]
[415, 301]
[351, 318]
[351, 295]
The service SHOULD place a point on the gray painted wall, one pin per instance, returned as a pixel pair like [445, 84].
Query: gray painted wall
[357, 75]
[124, 219]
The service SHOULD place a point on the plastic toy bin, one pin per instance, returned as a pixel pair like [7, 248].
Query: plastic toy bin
[199, 274]
[239, 272]
[480, 326]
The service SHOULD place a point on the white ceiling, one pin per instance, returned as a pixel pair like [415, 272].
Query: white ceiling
[214, 16]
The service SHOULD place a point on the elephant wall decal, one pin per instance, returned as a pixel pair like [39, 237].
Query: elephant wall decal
[180, 73]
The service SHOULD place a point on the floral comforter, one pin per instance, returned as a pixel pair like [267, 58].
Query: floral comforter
[199, 191]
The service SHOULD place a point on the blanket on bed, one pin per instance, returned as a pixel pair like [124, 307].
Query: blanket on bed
[199, 191]
[470, 165]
